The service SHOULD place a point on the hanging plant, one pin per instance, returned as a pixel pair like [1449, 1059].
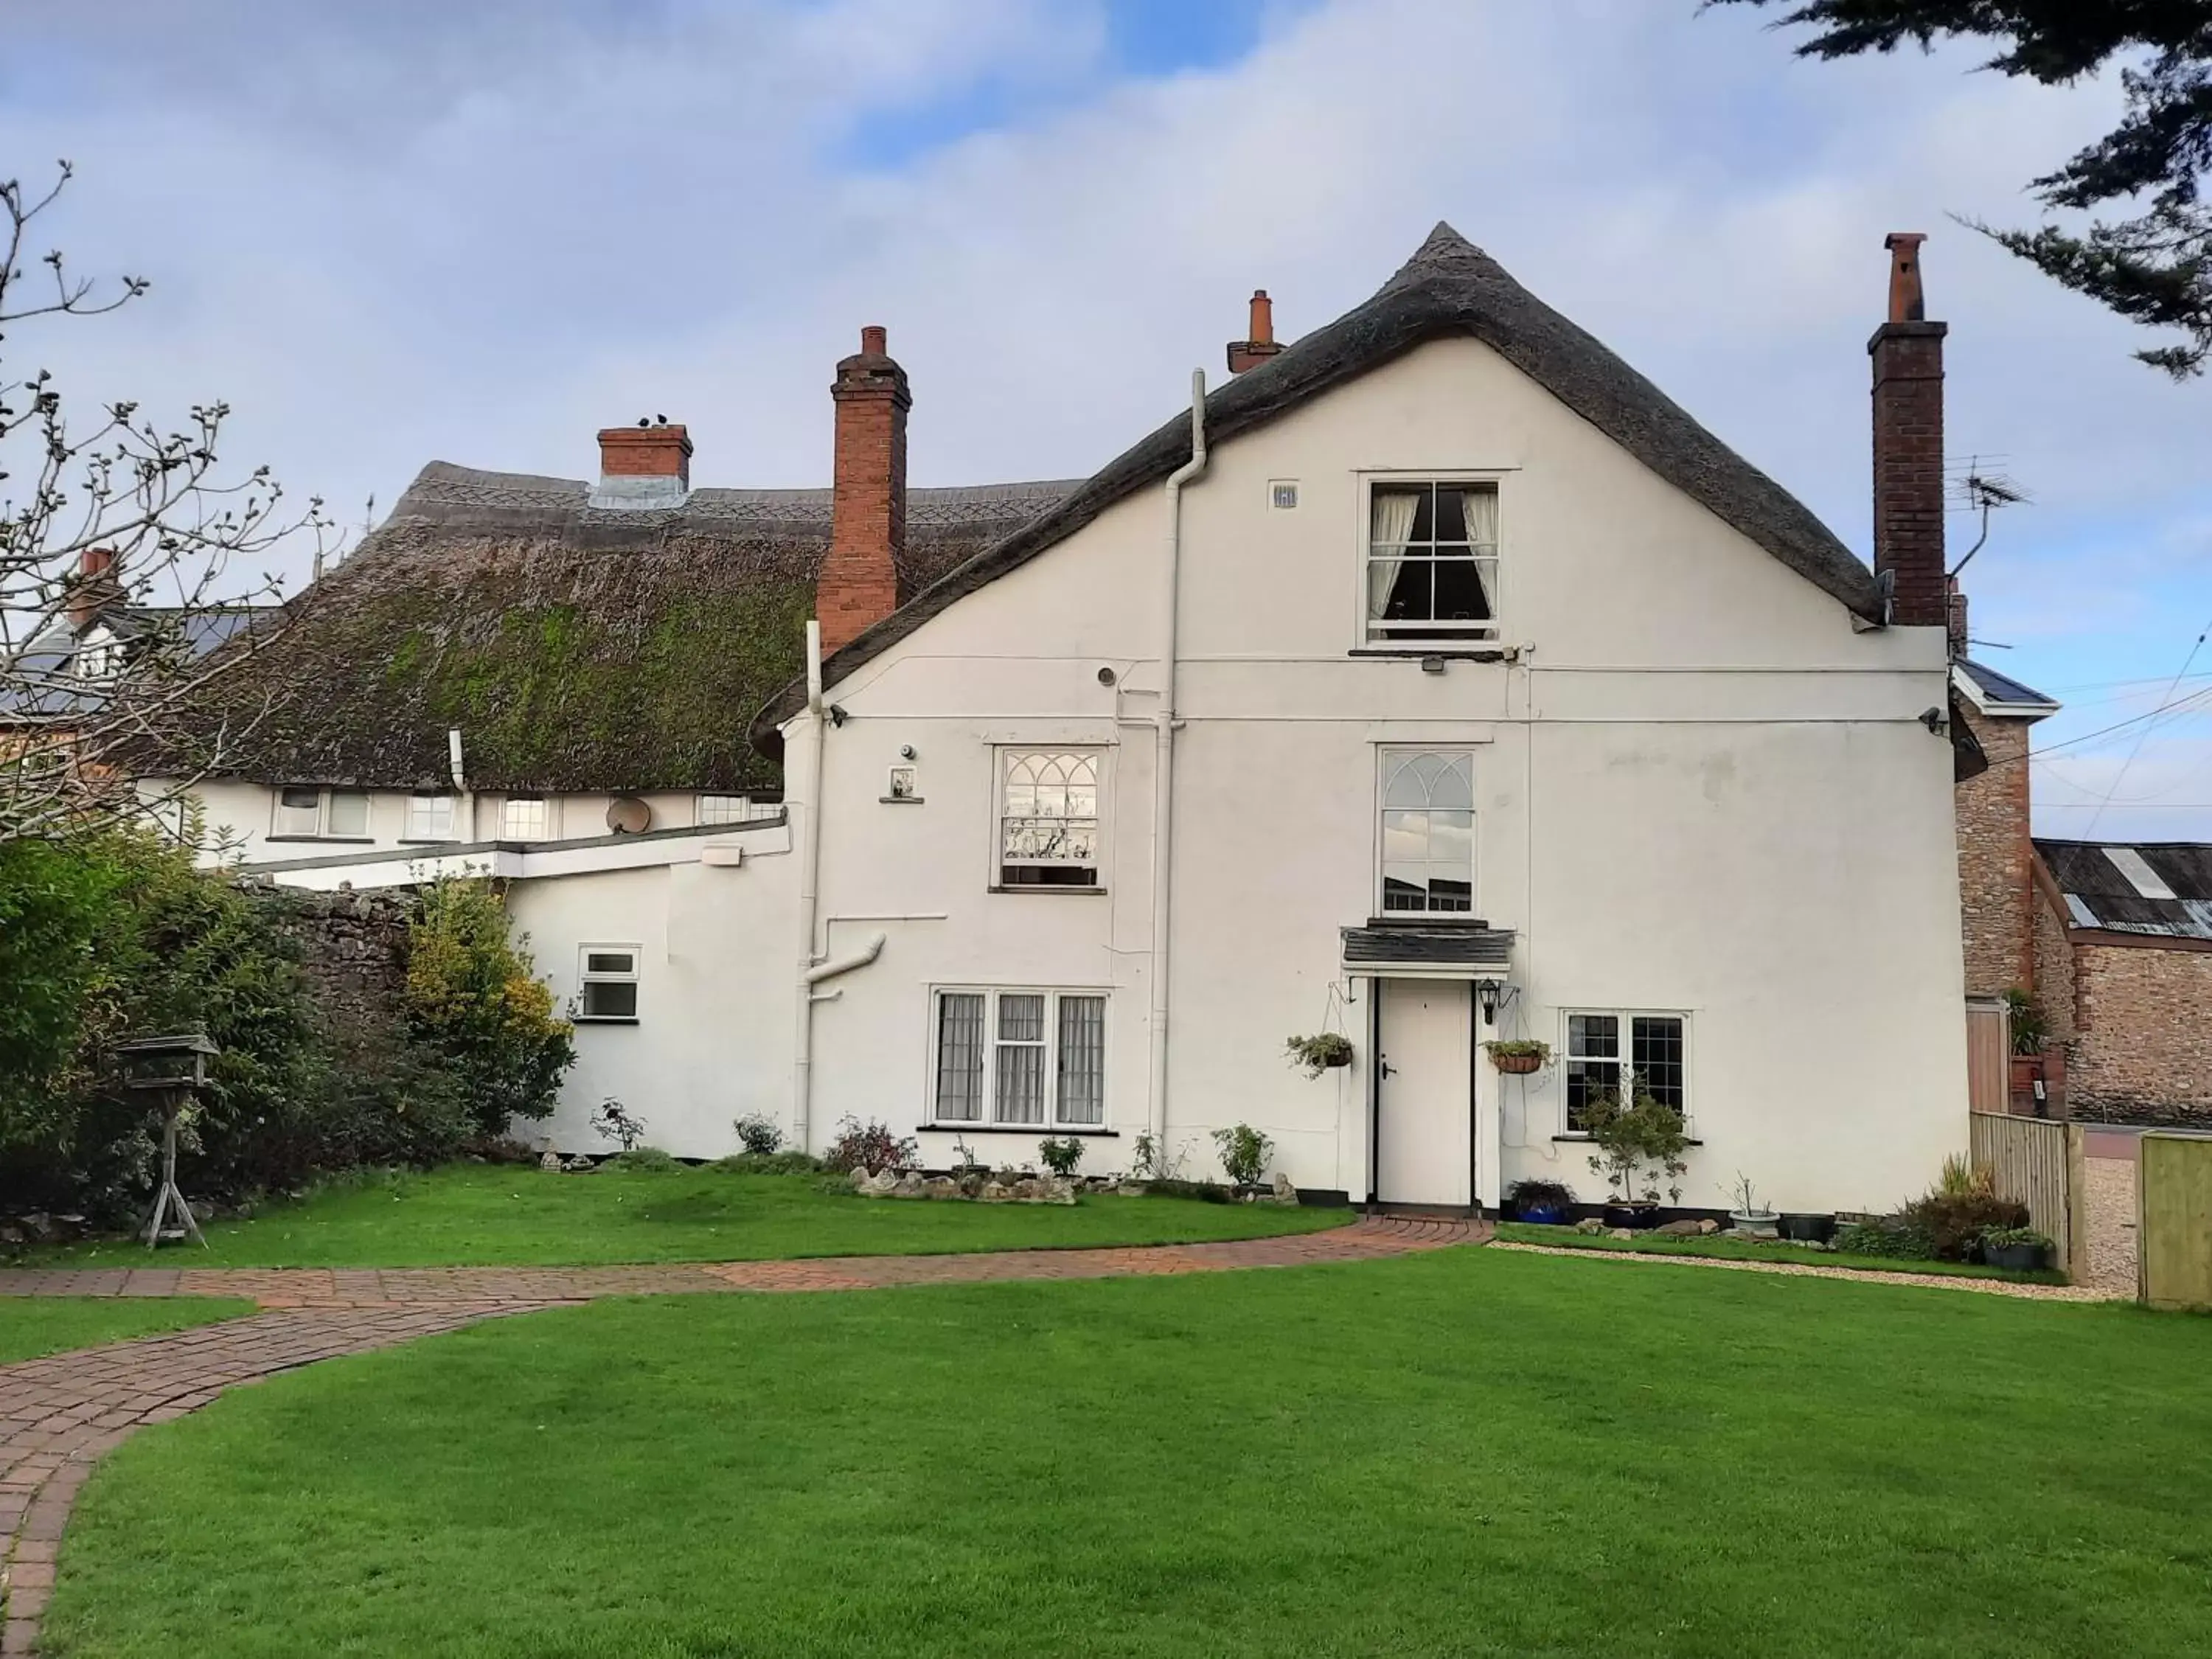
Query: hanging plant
[1518, 1058]
[1317, 1054]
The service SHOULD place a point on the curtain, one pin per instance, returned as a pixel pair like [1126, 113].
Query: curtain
[1481, 508]
[1392, 525]
[1083, 1060]
[1020, 1058]
[960, 1057]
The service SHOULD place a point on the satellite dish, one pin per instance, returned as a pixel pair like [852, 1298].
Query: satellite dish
[628, 816]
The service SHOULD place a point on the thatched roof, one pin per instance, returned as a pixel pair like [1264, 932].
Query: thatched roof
[575, 646]
[1449, 287]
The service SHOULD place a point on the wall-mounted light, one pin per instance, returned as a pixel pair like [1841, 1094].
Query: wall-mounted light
[1432, 665]
[837, 714]
[1934, 719]
[1486, 991]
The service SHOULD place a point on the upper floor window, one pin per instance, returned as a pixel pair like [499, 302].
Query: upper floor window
[1432, 563]
[1048, 818]
[726, 809]
[525, 818]
[1427, 834]
[307, 810]
[429, 817]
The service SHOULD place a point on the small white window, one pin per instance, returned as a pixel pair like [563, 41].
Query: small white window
[1426, 837]
[523, 817]
[1432, 563]
[1048, 818]
[346, 813]
[725, 809]
[429, 817]
[298, 812]
[609, 978]
[1657, 1053]
[1018, 1059]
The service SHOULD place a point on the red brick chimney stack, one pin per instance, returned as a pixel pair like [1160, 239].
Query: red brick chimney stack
[1908, 445]
[858, 587]
[646, 451]
[1250, 354]
[94, 588]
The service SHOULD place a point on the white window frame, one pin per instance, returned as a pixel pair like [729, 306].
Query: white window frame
[1054, 1123]
[1627, 1017]
[1003, 757]
[1482, 637]
[322, 831]
[416, 799]
[587, 976]
[729, 809]
[544, 805]
[1384, 754]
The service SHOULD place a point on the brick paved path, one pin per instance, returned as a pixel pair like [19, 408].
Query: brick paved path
[59, 1414]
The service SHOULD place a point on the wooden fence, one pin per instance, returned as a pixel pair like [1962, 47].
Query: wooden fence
[2174, 1188]
[1989, 1055]
[2036, 1162]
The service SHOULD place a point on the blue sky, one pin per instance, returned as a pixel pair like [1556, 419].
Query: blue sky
[478, 232]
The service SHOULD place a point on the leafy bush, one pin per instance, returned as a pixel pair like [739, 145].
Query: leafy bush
[614, 1123]
[1548, 1195]
[759, 1133]
[474, 997]
[2000, 1237]
[869, 1146]
[768, 1164]
[1060, 1156]
[642, 1160]
[2030, 1029]
[1637, 1146]
[1892, 1237]
[1953, 1223]
[1961, 1177]
[1244, 1152]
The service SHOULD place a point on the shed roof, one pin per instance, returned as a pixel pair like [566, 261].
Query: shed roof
[1449, 287]
[574, 646]
[2000, 694]
[2159, 888]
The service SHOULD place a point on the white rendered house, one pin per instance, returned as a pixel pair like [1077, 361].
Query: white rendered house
[1435, 680]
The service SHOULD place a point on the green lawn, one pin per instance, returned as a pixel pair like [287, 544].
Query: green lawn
[34, 1325]
[504, 1214]
[1738, 1249]
[1469, 1452]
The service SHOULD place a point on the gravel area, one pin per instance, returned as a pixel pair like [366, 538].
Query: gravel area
[2109, 1195]
[1933, 1281]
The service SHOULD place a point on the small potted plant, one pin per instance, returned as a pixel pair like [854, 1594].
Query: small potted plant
[1544, 1203]
[1516, 1058]
[1750, 1218]
[1317, 1054]
[2019, 1249]
[1639, 1147]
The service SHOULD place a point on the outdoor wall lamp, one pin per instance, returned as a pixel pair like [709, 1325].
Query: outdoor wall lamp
[1486, 991]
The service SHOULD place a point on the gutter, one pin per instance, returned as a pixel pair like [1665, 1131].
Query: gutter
[1163, 725]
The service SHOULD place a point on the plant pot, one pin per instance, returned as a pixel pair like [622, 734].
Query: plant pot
[2017, 1258]
[1753, 1223]
[1636, 1217]
[1541, 1215]
[1518, 1065]
[1807, 1229]
[1333, 1062]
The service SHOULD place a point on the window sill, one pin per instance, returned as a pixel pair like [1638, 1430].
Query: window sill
[1588, 1140]
[1462, 651]
[898, 800]
[1016, 1129]
[430, 840]
[1062, 892]
[340, 841]
[605, 1020]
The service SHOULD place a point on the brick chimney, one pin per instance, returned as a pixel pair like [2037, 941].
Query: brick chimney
[1908, 445]
[94, 588]
[1955, 614]
[859, 583]
[1250, 354]
[650, 458]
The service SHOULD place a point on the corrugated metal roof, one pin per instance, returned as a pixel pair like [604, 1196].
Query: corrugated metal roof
[2159, 888]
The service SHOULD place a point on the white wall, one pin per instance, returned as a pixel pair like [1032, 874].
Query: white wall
[1701, 789]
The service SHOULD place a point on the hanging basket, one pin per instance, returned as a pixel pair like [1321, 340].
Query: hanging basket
[1518, 1059]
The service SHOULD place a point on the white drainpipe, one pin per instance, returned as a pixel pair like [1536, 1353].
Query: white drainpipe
[1163, 725]
[809, 872]
[465, 813]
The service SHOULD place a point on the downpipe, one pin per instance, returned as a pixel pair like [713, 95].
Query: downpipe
[810, 873]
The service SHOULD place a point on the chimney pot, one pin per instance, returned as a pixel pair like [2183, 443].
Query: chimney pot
[1907, 304]
[1907, 353]
[857, 584]
[1250, 353]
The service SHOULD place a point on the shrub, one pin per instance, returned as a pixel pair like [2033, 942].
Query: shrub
[473, 995]
[1060, 1156]
[1548, 1194]
[2000, 1238]
[1960, 1177]
[1890, 1237]
[1953, 1223]
[614, 1123]
[759, 1133]
[2030, 1029]
[768, 1164]
[642, 1160]
[869, 1146]
[1244, 1152]
[1638, 1145]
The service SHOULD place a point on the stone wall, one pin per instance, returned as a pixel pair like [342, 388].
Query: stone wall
[2142, 1051]
[1994, 859]
[353, 952]
[2054, 970]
